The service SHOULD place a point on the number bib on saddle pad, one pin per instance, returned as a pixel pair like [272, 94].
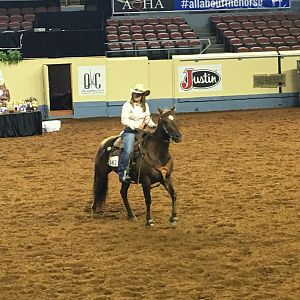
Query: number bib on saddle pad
[113, 161]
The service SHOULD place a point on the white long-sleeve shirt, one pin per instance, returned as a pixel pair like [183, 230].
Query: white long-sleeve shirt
[134, 116]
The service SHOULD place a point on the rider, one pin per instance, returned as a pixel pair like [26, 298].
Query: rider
[135, 115]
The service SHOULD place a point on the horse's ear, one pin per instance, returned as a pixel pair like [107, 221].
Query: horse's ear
[173, 108]
[160, 111]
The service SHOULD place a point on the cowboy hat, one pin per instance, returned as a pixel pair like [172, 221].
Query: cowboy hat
[139, 89]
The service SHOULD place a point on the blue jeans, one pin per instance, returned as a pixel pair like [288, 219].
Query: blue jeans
[128, 139]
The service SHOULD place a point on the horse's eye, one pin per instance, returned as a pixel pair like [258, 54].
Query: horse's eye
[171, 117]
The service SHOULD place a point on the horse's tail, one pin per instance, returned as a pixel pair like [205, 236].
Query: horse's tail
[102, 169]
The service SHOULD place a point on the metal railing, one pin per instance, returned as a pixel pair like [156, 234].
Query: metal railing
[165, 52]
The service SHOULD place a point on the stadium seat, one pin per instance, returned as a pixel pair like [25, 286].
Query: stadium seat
[241, 18]
[16, 18]
[268, 32]
[185, 27]
[189, 35]
[228, 18]
[295, 47]
[253, 18]
[135, 29]
[278, 16]
[29, 17]
[54, 9]
[276, 41]
[270, 48]
[234, 26]
[26, 25]
[263, 41]
[172, 28]
[234, 44]
[266, 17]
[125, 22]
[287, 24]
[128, 48]
[112, 38]
[147, 28]
[176, 36]
[274, 24]
[163, 36]
[14, 11]
[15, 26]
[160, 28]
[150, 36]
[27, 10]
[3, 11]
[261, 25]
[123, 29]
[137, 37]
[289, 40]
[4, 19]
[169, 47]
[297, 23]
[283, 48]
[291, 16]
[40, 9]
[115, 50]
[255, 33]
[141, 48]
[112, 22]
[242, 49]
[139, 21]
[3, 26]
[178, 20]
[182, 47]
[111, 30]
[125, 37]
[242, 33]
[249, 42]
[294, 31]
[196, 45]
[152, 21]
[164, 20]
[248, 25]
[282, 32]
[256, 49]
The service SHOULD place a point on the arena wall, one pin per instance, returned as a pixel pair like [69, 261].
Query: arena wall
[162, 77]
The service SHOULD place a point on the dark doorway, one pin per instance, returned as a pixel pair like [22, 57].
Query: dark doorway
[60, 87]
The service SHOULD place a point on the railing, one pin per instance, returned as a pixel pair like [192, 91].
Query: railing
[204, 45]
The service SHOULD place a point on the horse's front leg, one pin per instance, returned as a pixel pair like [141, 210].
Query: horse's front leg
[124, 193]
[147, 195]
[167, 183]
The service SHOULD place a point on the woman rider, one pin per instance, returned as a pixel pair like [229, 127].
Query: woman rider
[135, 115]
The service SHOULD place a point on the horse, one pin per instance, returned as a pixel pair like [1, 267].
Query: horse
[152, 164]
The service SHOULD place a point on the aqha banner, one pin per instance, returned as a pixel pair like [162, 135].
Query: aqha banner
[140, 6]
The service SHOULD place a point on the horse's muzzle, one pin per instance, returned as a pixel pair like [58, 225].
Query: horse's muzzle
[177, 138]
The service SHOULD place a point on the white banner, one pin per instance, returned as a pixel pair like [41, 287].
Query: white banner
[199, 78]
[91, 80]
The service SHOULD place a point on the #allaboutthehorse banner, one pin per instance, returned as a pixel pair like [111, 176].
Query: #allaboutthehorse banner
[138, 6]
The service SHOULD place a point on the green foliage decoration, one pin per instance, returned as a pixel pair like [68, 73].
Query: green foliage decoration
[11, 56]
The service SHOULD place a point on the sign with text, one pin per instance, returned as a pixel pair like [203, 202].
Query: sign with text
[199, 78]
[91, 80]
[138, 6]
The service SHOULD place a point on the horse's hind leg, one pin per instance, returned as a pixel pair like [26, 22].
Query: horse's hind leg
[169, 187]
[124, 193]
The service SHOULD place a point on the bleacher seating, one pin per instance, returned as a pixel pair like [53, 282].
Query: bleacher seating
[157, 37]
[257, 32]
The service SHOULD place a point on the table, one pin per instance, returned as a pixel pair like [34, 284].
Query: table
[20, 124]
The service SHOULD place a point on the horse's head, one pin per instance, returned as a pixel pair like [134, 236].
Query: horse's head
[167, 123]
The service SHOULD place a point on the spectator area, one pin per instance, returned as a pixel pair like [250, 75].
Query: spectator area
[155, 37]
[257, 32]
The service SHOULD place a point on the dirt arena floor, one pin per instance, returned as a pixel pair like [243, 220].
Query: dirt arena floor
[237, 177]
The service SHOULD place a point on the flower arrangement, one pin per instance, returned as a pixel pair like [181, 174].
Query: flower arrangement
[22, 105]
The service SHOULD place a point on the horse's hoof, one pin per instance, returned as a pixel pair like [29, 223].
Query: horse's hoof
[150, 223]
[132, 218]
[173, 221]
